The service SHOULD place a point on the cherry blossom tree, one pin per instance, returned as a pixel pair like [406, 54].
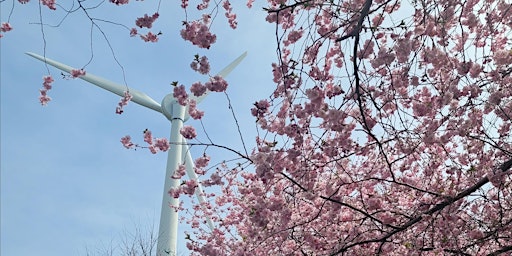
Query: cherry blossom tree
[388, 130]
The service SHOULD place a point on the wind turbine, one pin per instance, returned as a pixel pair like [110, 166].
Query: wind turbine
[177, 114]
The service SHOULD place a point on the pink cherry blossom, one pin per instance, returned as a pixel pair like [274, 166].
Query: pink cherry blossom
[184, 4]
[198, 33]
[133, 32]
[49, 3]
[123, 102]
[44, 98]
[5, 27]
[175, 193]
[180, 94]
[148, 137]
[189, 187]
[180, 172]
[188, 132]
[260, 108]
[47, 85]
[146, 21]
[75, 73]
[198, 89]
[201, 65]
[229, 14]
[161, 144]
[193, 111]
[217, 84]
[127, 142]
[202, 162]
[150, 37]
[119, 2]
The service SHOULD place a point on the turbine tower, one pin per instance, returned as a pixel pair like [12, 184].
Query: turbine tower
[177, 115]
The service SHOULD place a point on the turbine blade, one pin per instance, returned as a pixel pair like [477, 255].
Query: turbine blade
[138, 97]
[223, 73]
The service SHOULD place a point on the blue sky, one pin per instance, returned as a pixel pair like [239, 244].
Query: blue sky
[67, 184]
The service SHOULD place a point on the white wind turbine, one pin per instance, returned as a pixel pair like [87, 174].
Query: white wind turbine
[177, 114]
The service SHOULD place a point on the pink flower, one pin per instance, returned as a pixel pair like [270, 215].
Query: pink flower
[215, 179]
[162, 144]
[374, 204]
[5, 27]
[293, 37]
[119, 2]
[133, 32]
[193, 111]
[149, 37]
[189, 187]
[180, 172]
[49, 3]
[153, 149]
[202, 5]
[217, 84]
[198, 33]
[475, 234]
[43, 98]
[123, 102]
[201, 65]
[127, 142]
[180, 94]
[148, 137]
[146, 21]
[199, 171]
[261, 107]
[47, 85]
[202, 162]
[198, 89]
[75, 73]
[188, 132]
[175, 193]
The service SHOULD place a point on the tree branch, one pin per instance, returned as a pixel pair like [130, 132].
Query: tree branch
[364, 13]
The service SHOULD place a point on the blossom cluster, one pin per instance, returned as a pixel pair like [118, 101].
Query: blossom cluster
[146, 21]
[49, 3]
[76, 73]
[127, 142]
[180, 94]
[188, 132]
[155, 144]
[198, 32]
[188, 188]
[119, 2]
[217, 84]
[193, 111]
[200, 65]
[229, 14]
[47, 85]
[5, 27]
[123, 102]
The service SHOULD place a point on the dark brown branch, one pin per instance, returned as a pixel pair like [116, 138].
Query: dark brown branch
[501, 250]
[364, 13]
